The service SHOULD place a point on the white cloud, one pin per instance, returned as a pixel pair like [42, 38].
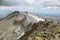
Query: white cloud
[49, 7]
[30, 1]
[51, 3]
[28, 5]
[16, 8]
[44, 3]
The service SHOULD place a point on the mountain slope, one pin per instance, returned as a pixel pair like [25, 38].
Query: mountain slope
[46, 30]
[16, 24]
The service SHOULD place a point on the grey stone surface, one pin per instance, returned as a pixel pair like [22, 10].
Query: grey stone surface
[13, 26]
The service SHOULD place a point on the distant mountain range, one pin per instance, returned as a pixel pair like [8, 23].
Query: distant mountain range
[50, 17]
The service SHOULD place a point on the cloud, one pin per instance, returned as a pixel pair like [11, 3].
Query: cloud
[12, 2]
[30, 1]
[30, 5]
[43, 3]
[51, 3]
[16, 8]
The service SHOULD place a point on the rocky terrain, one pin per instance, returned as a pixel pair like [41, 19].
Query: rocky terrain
[27, 26]
[46, 30]
[16, 24]
[13, 26]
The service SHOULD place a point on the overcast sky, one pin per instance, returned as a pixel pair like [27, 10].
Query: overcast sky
[37, 6]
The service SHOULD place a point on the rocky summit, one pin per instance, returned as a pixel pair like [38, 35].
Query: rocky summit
[27, 26]
[15, 25]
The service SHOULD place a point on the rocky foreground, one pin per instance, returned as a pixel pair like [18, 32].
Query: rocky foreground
[47, 30]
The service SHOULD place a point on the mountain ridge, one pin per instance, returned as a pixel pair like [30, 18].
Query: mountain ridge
[15, 25]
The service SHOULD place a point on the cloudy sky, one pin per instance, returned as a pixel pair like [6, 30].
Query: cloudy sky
[35, 6]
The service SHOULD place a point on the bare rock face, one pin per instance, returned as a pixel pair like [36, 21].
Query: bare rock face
[14, 26]
[46, 30]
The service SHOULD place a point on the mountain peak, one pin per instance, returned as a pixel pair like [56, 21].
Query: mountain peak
[29, 16]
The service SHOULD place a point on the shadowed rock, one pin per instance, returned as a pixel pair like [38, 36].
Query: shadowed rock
[43, 30]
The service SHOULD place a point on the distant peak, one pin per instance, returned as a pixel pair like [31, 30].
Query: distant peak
[16, 12]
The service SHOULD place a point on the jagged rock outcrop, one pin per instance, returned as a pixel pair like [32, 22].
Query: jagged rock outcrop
[43, 30]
